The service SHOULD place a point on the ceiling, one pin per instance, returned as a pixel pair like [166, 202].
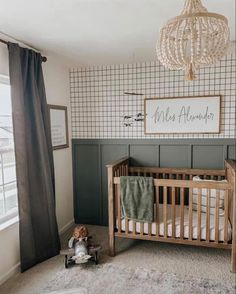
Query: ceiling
[92, 32]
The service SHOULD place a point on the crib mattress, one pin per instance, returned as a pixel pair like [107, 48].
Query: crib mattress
[186, 225]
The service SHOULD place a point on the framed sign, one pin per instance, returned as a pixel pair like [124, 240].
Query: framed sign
[182, 115]
[59, 126]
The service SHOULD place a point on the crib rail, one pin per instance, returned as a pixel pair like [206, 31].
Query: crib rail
[166, 212]
[177, 173]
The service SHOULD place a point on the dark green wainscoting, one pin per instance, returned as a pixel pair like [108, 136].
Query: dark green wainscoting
[90, 157]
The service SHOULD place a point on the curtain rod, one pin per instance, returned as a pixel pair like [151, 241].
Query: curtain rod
[44, 58]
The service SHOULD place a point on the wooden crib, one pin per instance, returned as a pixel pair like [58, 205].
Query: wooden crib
[175, 220]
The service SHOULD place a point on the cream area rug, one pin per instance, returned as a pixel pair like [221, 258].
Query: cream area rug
[117, 279]
[70, 291]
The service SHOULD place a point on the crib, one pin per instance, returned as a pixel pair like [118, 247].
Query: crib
[177, 218]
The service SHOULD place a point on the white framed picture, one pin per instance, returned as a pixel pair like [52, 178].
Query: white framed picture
[177, 115]
[59, 126]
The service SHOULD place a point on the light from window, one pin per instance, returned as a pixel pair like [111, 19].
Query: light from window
[8, 188]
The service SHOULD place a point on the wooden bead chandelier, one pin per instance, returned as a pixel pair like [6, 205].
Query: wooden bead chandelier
[194, 39]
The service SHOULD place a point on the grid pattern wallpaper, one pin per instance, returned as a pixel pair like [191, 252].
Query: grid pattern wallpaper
[101, 109]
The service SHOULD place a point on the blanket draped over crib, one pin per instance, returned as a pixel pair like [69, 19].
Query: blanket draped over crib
[137, 198]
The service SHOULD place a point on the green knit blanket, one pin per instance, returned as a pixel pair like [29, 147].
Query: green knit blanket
[137, 198]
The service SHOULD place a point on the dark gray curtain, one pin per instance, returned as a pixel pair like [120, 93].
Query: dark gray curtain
[39, 238]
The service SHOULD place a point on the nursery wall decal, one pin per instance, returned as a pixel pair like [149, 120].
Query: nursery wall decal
[99, 102]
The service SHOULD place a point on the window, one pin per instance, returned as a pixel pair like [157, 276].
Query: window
[8, 188]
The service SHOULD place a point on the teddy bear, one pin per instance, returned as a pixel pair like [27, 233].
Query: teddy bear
[79, 241]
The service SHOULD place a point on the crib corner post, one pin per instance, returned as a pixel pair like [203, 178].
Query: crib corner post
[231, 177]
[111, 211]
[233, 253]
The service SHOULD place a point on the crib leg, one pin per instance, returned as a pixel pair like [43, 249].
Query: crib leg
[233, 252]
[233, 257]
[111, 209]
[111, 244]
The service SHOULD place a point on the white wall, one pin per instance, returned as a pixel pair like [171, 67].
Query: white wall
[56, 76]
[57, 89]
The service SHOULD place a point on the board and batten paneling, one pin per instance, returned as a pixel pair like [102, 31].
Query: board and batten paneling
[209, 156]
[175, 156]
[232, 151]
[109, 153]
[87, 198]
[144, 155]
[90, 157]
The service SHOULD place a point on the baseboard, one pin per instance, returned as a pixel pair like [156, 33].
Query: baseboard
[12, 271]
[66, 227]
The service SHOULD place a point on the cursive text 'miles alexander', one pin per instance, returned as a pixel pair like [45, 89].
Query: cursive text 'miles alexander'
[184, 116]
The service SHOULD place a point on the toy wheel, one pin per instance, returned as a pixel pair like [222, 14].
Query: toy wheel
[66, 261]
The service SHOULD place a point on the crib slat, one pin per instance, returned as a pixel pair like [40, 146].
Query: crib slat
[226, 215]
[217, 216]
[165, 212]
[208, 202]
[119, 207]
[199, 204]
[126, 225]
[173, 210]
[149, 229]
[141, 228]
[179, 177]
[182, 213]
[134, 227]
[190, 234]
[157, 210]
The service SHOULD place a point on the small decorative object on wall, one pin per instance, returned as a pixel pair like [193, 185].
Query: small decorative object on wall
[59, 126]
[133, 94]
[182, 115]
[194, 39]
[128, 120]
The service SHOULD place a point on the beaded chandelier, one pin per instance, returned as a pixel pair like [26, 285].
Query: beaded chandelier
[194, 39]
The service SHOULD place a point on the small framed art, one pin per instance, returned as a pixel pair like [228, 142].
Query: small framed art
[59, 126]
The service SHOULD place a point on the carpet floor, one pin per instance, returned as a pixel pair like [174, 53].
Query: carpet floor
[139, 267]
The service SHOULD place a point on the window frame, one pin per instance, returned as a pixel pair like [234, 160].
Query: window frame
[14, 213]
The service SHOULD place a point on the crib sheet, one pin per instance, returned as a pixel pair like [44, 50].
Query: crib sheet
[186, 224]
